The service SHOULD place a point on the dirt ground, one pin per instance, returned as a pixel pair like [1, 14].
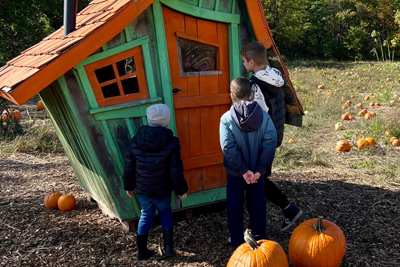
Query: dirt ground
[31, 235]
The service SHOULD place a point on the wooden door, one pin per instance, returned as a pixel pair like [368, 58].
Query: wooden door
[198, 52]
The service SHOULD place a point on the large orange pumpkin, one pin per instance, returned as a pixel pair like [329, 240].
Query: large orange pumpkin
[50, 201]
[317, 243]
[371, 141]
[258, 253]
[66, 202]
[362, 143]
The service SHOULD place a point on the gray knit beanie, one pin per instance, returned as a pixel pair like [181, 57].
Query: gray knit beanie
[158, 115]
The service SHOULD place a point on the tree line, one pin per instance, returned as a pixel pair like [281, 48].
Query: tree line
[302, 29]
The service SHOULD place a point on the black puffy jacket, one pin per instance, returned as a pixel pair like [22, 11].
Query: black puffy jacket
[275, 100]
[153, 166]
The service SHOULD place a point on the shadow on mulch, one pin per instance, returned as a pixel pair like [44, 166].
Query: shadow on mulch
[31, 235]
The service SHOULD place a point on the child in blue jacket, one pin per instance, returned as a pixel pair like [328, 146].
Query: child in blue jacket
[248, 142]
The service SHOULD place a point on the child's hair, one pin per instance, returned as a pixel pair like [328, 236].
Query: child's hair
[241, 87]
[255, 51]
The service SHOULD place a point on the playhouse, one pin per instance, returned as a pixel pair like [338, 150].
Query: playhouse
[99, 72]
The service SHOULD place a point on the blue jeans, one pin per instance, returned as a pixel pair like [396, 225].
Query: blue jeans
[237, 191]
[148, 211]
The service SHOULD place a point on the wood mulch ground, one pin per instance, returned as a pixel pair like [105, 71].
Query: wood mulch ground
[31, 235]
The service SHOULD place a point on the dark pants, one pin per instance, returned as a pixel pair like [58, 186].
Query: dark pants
[237, 191]
[273, 193]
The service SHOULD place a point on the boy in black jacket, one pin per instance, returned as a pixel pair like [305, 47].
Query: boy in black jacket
[154, 169]
[266, 87]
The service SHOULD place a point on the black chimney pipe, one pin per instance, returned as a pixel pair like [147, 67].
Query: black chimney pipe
[70, 9]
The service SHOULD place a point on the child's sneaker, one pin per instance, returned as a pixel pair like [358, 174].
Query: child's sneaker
[292, 213]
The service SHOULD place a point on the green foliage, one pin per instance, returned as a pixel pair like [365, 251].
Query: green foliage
[331, 29]
[24, 23]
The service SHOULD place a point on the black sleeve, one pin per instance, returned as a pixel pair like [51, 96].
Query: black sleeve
[129, 176]
[176, 170]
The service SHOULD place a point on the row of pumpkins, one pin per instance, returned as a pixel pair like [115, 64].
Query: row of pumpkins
[314, 243]
[15, 114]
[344, 146]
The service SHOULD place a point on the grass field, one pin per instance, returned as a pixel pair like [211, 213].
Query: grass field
[358, 190]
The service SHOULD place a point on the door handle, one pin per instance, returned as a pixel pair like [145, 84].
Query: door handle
[176, 90]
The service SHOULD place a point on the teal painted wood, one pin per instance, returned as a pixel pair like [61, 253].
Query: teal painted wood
[112, 147]
[209, 4]
[114, 51]
[201, 3]
[204, 197]
[163, 62]
[202, 12]
[129, 34]
[234, 51]
[191, 2]
[233, 6]
[217, 3]
[151, 86]
[144, 121]
[129, 112]
[81, 76]
[125, 105]
[94, 167]
[131, 127]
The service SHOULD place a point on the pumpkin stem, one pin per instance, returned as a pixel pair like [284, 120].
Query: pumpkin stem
[64, 192]
[319, 226]
[250, 239]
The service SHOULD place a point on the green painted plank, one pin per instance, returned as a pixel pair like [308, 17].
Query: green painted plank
[234, 51]
[131, 127]
[144, 121]
[201, 12]
[217, 5]
[113, 51]
[151, 86]
[129, 33]
[112, 147]
[163, 62]
[125, 105]
[137, 111]
[233, 6]
[203, 197]
[81, 76]
[201, 3]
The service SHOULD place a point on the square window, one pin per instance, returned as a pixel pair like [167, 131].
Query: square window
[196, 57]
[119, 78]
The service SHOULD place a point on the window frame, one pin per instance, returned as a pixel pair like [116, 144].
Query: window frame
[143, 93]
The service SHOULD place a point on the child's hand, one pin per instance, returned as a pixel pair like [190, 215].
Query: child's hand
[183, 196]
[130, 193]
[256, 176]
[248, 176]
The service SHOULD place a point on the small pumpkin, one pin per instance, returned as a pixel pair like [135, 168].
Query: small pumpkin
[362, 112]
[338, 126]
[348, 103]
[367, 116]
[343, 146]
[353, 96]
[371, 141]
[40, 105]
[14, 113]
[321, 86]
[316, 243]
[388, 133]
[396, 142]
[359, 105]
[345, 117]
[258, 253]
[66, 202]
[292, 141]
[392, 139]
[367, 97]
[344, 107]
[362, 143]
[51, 200]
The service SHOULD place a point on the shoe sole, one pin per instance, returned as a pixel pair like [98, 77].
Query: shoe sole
[293, 221]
